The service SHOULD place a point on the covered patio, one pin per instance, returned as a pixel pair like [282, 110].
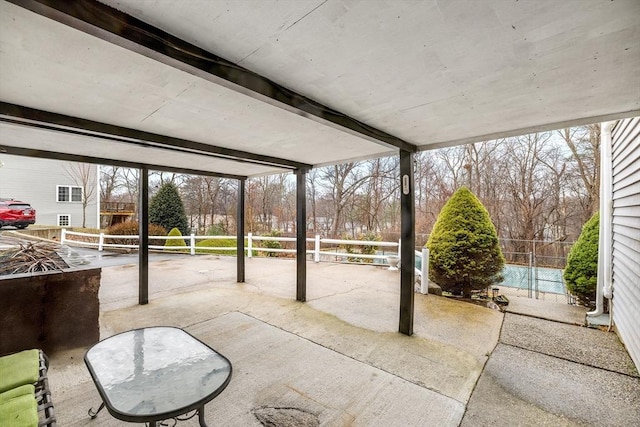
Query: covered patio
[242, 89]
[337, 359]
[249, 88]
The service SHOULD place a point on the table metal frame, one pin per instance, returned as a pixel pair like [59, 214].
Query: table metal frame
[197, 406]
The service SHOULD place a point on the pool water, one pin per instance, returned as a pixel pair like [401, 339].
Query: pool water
[522, 277]
[548, 279]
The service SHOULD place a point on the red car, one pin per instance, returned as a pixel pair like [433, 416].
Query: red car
[16, 213]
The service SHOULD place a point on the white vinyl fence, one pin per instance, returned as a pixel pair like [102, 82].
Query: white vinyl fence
[323, 249]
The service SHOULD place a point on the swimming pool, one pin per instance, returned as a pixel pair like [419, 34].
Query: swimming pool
[544, 279]
[548, 280]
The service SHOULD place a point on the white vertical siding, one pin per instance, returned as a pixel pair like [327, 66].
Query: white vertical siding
[626, 233]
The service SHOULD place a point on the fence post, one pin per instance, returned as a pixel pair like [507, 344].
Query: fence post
[192, 244]
[535, 269]
[399, 247]
[249, 245]
[424, 276]
[101, 242]
[316, 252]
[63, 236]
[530, 275]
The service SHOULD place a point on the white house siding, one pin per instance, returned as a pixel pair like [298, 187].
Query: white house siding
[35, 181]
[626, 233]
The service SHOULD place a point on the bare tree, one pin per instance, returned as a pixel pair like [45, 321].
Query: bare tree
[341, 182]
[265, 195]
[130, 179]
[110, 181]
[527, 184]
[84, 176]
[228, 204]
[534, 187]
[428, 187]
[584, 143]
[454, 160]
[380, 184]
[555, 212]
[286, 209]
[313, 195]
[195, 201]
[486, 176]
[162, 177]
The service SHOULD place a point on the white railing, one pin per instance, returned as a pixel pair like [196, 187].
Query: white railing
[101, 242]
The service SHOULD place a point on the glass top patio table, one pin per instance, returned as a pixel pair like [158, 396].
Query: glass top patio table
[157, 373]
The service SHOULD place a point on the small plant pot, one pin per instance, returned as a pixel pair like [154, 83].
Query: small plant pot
[501, 300]
[393, 262]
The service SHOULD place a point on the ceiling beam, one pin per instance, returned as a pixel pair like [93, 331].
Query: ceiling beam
[119, 28]
[52, 155]
[13, 113]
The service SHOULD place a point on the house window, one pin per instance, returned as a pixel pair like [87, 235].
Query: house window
[68, 193]
[64, 220]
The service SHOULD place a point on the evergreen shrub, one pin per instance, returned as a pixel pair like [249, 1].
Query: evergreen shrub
[369, 249]
[175, 243]
[464, 253]
[127, 228]
[218, 229]
[362, 249]
[272, 244]
[581, 272]
[166, 209]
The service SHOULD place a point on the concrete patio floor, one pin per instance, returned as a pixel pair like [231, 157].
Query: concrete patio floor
[337, 357]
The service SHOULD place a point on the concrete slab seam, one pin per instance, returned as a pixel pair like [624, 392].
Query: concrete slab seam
[545, 318]
[569, 360]
[353, 358]
[331, 295]
[484, 366]
[209, 319]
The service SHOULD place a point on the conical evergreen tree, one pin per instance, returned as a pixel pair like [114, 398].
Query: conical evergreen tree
[166, 209]
[175, 242]
[581, 272]
[464, 253]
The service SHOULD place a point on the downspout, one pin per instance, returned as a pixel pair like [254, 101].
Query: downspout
[604, 286]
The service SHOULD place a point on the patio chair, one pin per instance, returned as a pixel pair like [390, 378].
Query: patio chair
[25, 398]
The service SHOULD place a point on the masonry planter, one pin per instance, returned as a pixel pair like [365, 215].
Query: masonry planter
[53, 310]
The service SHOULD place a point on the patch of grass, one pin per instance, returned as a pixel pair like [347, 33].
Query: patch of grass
[216, 243]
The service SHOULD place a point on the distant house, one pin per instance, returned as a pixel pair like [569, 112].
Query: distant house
[112, 213]
[61, 192]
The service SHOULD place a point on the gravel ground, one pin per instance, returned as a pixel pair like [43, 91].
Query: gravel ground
[591, 347]
[548, 373]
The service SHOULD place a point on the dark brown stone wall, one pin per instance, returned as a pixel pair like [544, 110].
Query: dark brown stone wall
[21, 315]
[52, 311]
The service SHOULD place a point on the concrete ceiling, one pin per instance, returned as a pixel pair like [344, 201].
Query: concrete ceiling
[410, 74]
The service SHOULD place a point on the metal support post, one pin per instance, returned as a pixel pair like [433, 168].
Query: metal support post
[240, 232]
[143, 237]
[407, 240]
[301, 236]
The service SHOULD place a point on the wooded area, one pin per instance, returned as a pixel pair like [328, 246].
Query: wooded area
[537, 187]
